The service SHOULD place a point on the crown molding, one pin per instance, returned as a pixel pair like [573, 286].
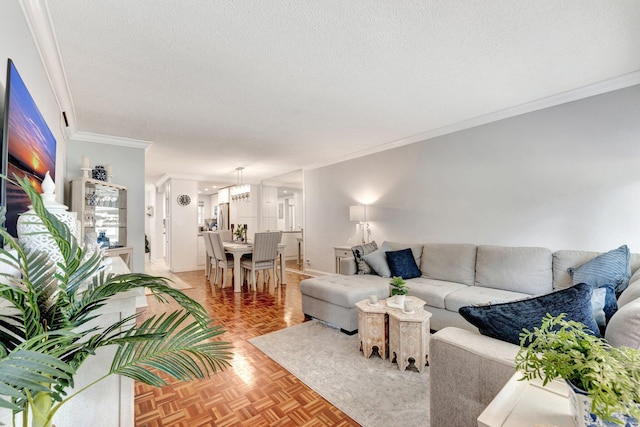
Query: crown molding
[38, 19]
[109, 140]
[187, 177]
[620, 82]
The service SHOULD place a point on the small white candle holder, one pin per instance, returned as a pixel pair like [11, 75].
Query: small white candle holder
[86, 172]
[408, 306]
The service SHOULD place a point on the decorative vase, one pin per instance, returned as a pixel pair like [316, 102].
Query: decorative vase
[31, 231]
[580, 404]
[99, 173]
[399, 300]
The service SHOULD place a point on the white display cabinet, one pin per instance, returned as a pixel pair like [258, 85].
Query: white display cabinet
[101, 206]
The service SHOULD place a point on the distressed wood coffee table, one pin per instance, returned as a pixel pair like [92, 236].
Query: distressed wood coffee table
[372, 327]
[409, 335]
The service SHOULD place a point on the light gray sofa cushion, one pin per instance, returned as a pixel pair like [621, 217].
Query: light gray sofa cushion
[474, 295]
[467, 372]
[433, 292]
[449, 262]
[563, 260]
[519, 269]
[624, 327]
[629, 294]
[345, 291]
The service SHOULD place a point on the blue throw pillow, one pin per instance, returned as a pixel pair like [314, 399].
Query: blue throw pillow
[403, 264]
[612, 267]
[506, 321]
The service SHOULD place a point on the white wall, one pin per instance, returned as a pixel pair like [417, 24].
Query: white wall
[16, 43]
[563, 177]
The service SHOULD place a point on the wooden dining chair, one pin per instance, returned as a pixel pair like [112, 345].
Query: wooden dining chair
[264, 256]
[223, 260]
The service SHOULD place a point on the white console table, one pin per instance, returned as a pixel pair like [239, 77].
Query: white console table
[528, 403]
[124, 252]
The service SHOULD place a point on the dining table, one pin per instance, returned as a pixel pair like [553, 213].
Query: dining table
[238, 249]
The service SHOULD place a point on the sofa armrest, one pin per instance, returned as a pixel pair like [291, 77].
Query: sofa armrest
[467, 371]
[348, 266]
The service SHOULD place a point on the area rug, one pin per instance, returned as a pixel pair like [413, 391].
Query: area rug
[156, 268]
[371, 391]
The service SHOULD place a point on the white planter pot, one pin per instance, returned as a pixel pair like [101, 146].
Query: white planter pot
[580, 405]
[399, 300]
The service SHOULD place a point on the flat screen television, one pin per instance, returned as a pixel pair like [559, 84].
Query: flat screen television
[28, 146]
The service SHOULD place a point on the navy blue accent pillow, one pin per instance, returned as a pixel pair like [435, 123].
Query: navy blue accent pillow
[506, 321]
[612, 267]
[403, 264]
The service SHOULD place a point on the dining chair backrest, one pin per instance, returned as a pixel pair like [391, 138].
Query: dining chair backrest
[265, 247]
[218, 247]
[207, 243]
[226, 235]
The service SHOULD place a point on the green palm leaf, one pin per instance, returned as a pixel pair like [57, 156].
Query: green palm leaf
[185, 353]
[32, 367]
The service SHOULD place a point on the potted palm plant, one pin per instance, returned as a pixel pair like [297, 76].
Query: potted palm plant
[399, 290]
[604, 380]
[45, 336]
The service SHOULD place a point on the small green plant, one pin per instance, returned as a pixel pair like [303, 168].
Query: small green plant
[239, 231]
[398, 286]
[561, 348]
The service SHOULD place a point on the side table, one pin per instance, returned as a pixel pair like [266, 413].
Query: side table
[527, 403]
[409, 336]
[372, 327]
[341, 252]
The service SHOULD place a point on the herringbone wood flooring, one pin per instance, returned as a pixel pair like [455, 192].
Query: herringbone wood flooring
[254, 391]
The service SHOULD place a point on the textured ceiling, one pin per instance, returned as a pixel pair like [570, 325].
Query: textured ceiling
[278, 85]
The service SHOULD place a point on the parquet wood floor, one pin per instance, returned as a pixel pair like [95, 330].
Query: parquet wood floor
[254, 391]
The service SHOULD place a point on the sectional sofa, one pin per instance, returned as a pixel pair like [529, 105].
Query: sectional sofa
[452, 276]
[467, 368]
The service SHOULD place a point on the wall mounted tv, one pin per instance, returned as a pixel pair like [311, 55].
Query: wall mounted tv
[28, 146]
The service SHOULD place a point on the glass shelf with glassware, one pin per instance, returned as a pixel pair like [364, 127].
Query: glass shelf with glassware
[102, 211]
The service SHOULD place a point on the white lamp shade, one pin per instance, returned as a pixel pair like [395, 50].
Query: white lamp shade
[358, 213]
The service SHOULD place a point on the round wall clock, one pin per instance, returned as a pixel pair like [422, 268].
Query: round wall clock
[184, 200]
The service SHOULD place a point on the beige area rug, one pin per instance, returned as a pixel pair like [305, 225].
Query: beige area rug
[371, 391]
[156, 268]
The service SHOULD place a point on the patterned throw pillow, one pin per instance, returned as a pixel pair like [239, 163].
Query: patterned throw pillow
[360, 251]
[612, 268]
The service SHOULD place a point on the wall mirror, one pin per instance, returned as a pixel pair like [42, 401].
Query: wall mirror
[282, 207]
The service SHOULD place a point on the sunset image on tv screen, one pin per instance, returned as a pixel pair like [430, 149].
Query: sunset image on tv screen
[31, 146]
